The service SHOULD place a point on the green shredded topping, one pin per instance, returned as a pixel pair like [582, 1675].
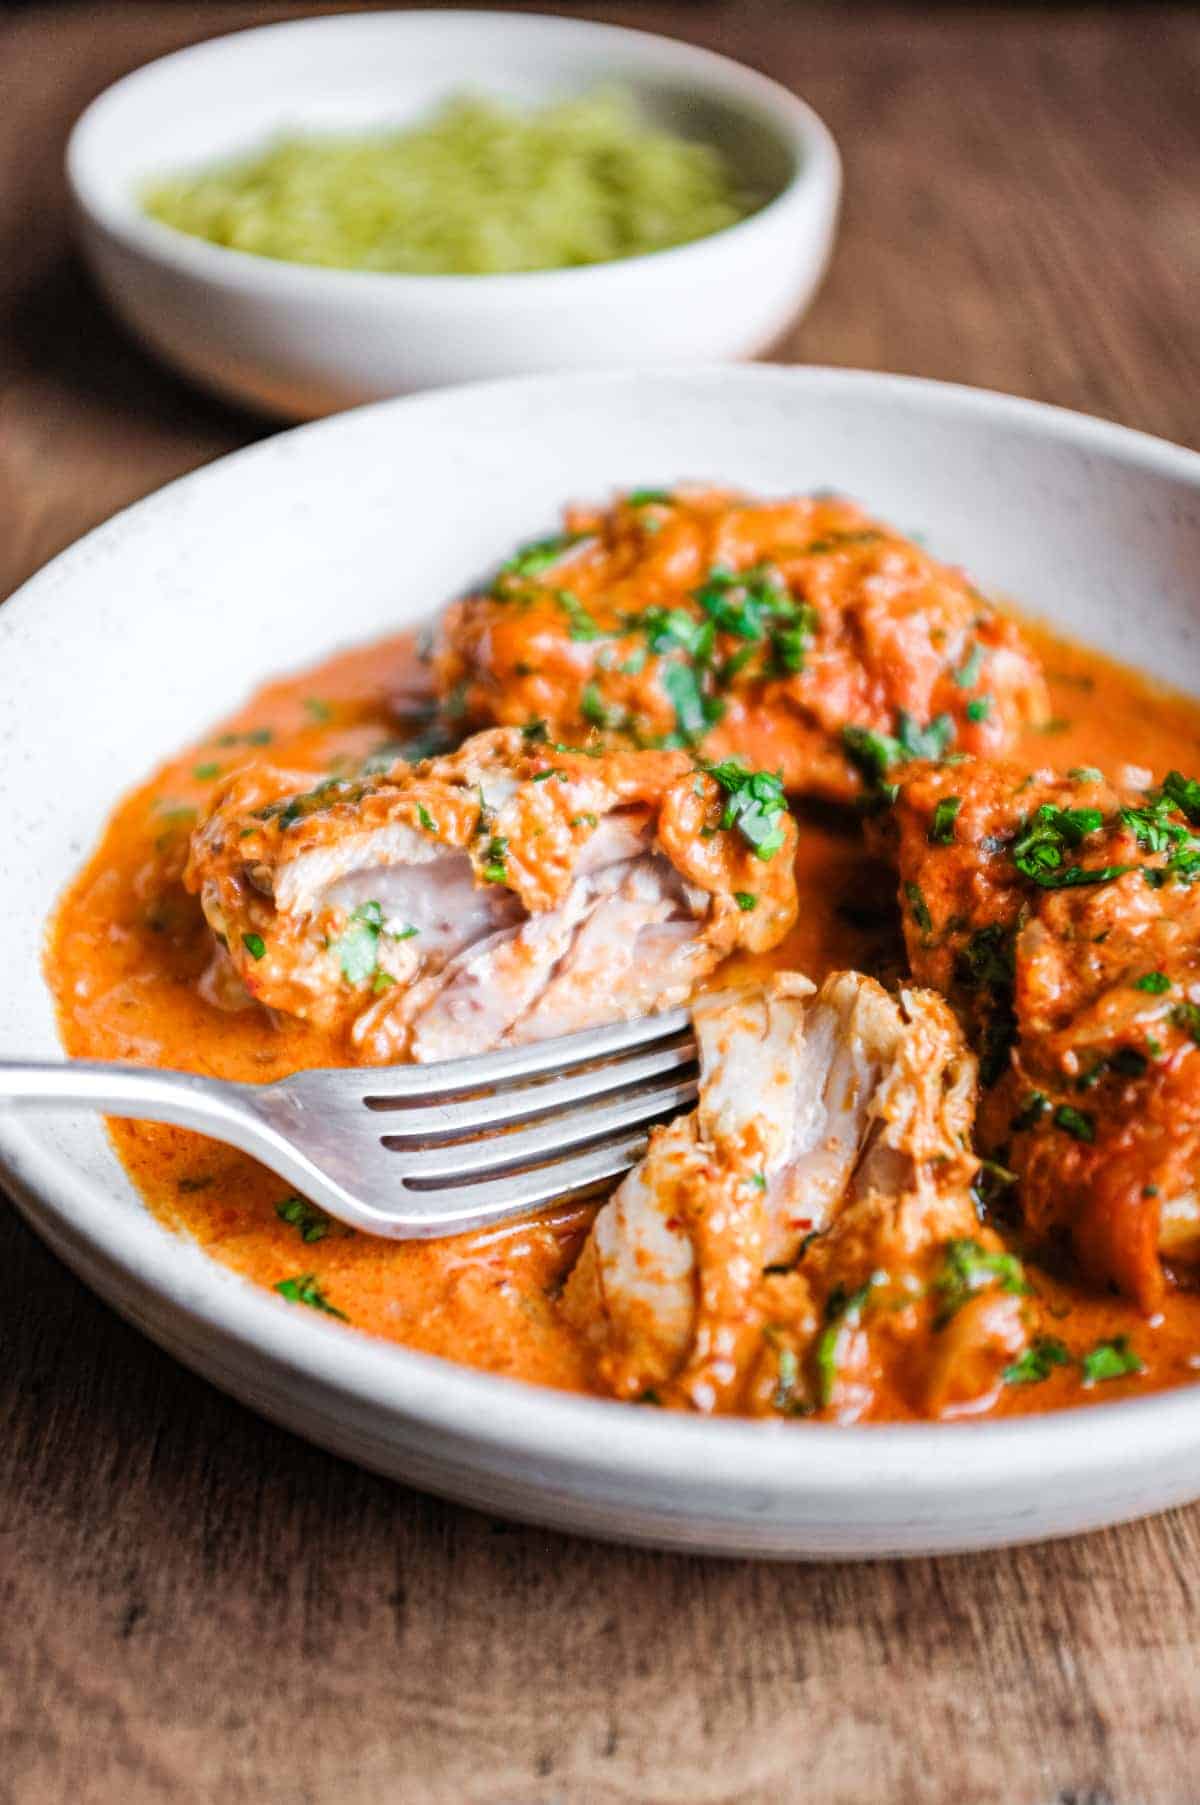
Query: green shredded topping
[1075, 1122]
[941, 831]
[1037, 1362]
[310, 1223]
[479, 187]
[967, 1268]
[307, 1290]
[255, 945]
[1114, 1359]
[756, 805]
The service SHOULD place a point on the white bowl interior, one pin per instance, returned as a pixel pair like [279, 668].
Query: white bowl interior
[155, 625]
[369, 72]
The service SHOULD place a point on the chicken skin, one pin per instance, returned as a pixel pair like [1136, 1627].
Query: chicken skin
[808, 1235]
[508, 892]
[800, 635]
[1062, 917]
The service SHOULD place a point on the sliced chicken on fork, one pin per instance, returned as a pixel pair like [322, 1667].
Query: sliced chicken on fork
[510, 891]
[800, 1242]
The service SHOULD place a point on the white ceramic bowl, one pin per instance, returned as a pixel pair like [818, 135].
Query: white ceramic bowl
[303, 341]
[155, 625]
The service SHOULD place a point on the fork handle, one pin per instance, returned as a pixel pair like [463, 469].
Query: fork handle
[146, 1093]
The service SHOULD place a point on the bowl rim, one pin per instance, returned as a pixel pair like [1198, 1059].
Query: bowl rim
[741, 1460]
[816, 172]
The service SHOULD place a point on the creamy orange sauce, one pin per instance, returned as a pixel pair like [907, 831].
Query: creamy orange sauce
[128, 947]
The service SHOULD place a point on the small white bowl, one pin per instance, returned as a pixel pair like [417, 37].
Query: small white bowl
[302, 341]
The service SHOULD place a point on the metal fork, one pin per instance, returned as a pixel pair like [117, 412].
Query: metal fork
[417, 1151]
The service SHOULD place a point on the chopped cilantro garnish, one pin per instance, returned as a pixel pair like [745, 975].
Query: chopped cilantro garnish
[1156, 982]
[1075, 1122]
[1187, 1017]
[930, 741]
[1031, 1111]
[581, 625]
[741, 603]
[979, 708]
[310, 1223]
[255, 945]
[532, 560]
[788, 1369]
[588, 820]
[875, 753]
[495, 871]
[205, 773]
[759, 1180]
[695, 712]
[1114, 1359]
[1039, 852]
[756, 803]
[426, 819]
[357, 946]
[534, 732]
[320, 711]
[968, 1267]
[1037, 1362]
[941, 832]
[1152, 826]
[968, 675]
[919, 907]
[744, 900]
[1086, 774]
[593, 708]
[674, 629]
[647, 498]
[843, 1310]
[306, 1290]
[1184, 792]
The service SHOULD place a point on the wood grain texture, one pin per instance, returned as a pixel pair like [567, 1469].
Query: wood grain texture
[194, 1605]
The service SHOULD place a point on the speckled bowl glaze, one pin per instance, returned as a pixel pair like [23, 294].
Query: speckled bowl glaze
[301, 341]
[156, 624]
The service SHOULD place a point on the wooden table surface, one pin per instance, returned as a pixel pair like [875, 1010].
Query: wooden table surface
[198, 1607]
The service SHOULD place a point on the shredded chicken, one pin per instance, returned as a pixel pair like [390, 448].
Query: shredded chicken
[800, 633]
[811, 1227]
[1062, 917]
[510, 891]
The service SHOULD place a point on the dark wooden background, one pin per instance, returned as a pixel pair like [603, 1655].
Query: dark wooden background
[194, 1606]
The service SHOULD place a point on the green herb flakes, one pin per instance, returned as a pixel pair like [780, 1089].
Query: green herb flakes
[1114, 1359]
[310, 1223]
[307, 1290]
[941, 831]
[1037, 1362]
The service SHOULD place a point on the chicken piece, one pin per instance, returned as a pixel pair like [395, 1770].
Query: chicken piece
[1061, 915]
[504, 893]
[785, 1249]
[799, 634]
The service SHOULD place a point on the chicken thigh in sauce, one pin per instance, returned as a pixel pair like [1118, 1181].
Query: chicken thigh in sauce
[801, 635]
[510, 891]
[1062, 917]
[809, 1235]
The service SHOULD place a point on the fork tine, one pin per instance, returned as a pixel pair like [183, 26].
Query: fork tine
[531, 1061]
[428, 1168]
[460, 1208]
[461, 1116]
